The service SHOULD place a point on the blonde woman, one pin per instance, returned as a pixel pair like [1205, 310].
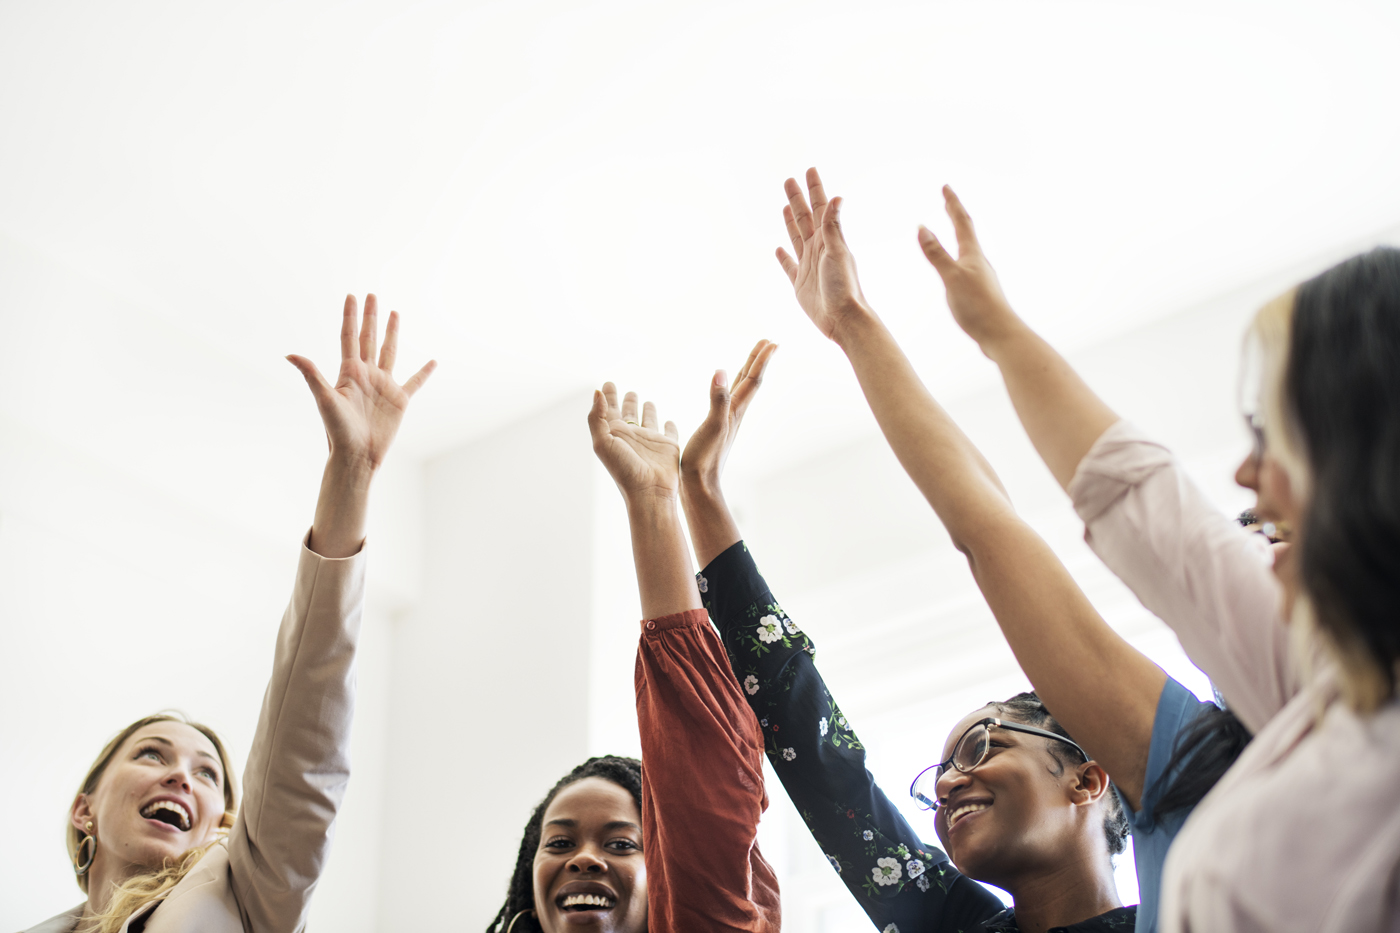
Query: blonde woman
[158, 840]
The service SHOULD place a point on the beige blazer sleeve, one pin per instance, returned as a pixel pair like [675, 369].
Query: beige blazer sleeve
[299, 764]
[1191, 566]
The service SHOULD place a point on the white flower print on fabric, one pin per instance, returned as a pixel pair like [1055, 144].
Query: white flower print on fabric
[702, 583]
[821, 727]
[841, 721]
[914, 867]
[890, 929]
[789, 754]
[867, 835]
[769, 629]
[790, 625]
[886, 871]
[834, 864]
[922, 882]
[751, 686]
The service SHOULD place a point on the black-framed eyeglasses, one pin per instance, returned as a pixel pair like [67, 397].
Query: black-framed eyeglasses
[971, 750]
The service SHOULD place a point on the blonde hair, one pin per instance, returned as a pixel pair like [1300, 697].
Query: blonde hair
[132, 894]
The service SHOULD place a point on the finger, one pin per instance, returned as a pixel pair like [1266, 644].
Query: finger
[320, 388]
[744, 392]
[649, 416]
[610, 395]
[934, 251]
[390, 351]
[415, 382]
[347, 329]
[831, 224]
[962, 223]
[753, 355]
[598, 418]
[816, 193]
[719, 396]
[801, 214]
[369, 331]
[789, 265]
[793, 233]
[671, 432]
[629, 407]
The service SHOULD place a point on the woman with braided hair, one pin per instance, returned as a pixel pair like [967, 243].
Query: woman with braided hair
[670, 847]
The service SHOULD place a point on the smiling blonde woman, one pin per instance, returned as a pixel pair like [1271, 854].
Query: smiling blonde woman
[158, 839]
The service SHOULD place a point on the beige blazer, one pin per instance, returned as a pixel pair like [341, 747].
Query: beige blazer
[260, 879]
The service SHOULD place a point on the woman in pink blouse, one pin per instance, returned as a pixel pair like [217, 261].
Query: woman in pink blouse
[1303, 833]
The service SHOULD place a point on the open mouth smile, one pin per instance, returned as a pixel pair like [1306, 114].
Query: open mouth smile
[964, 809]
[169, 812]
[581, 902]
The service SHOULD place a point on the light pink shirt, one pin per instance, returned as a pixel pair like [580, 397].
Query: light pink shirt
[1303, 833]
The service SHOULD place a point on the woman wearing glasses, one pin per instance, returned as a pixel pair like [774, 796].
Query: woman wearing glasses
[1018, 803]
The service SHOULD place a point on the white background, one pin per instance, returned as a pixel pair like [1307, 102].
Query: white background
[556, 194]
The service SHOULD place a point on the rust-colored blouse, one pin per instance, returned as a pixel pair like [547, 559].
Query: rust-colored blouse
[702, 785]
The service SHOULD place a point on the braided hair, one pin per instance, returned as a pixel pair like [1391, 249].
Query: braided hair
[520, 896]
[1027, 708]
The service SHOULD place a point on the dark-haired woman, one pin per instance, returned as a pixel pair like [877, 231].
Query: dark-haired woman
[1162, 746]
[677, 851]
[158, 840]
[1019, 803]
[1303, 832]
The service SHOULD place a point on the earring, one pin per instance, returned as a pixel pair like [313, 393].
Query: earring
[81, 865]
[517, 917]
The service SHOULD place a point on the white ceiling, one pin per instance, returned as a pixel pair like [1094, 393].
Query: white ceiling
[559, 193]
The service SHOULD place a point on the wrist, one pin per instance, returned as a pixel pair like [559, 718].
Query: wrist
[1003, 334]
[353, 469]
[852, 321]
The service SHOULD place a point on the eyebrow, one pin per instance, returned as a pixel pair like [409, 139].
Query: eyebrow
[164, 741]
[614, 824]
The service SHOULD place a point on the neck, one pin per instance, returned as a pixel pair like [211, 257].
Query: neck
[1071, 892]
[103, 877]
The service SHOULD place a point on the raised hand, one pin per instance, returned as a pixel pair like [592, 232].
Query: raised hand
[703, 459]
[824, 273]
[642, 458]
[363, 410]
[974, 294]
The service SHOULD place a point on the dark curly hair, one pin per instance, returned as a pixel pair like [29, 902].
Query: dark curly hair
[624, 772]
[1027, 708]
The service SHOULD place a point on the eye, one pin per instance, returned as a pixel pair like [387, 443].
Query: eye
[559, 843]
[623, 845]
[211, 774]
[149, 751]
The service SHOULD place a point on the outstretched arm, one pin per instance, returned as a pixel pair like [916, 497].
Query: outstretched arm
[1060, 412]
[361, 412]
[1101, 688]
[702, 779]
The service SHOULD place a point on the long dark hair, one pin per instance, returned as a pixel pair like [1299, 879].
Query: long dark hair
[520, 896]
[1201, 755]
[1341, 390]
[1027, 708]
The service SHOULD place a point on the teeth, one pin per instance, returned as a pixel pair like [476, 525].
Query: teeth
[964, 810]
[586, 900]
[173, 807]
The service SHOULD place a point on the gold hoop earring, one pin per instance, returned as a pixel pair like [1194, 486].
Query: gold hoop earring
[522, 913]
[80, 865]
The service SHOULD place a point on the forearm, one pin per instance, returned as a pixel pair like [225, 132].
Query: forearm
[712, 527]
[952, 474]
[338, 530]
[665, 576]
[1060, 413]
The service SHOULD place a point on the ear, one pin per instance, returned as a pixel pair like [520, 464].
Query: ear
[81, 812]
[1090, 784]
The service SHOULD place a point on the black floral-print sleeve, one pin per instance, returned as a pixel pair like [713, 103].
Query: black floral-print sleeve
[902, 884]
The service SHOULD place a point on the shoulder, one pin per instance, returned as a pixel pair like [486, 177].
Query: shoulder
[63, 923]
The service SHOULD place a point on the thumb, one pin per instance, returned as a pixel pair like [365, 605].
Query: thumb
[719, 395]
[320, 389]
[934, 251]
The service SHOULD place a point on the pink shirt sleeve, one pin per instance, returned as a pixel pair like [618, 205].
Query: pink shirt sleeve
[1191, 566]
[702, 785]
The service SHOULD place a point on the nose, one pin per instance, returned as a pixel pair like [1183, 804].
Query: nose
[1247, 475]
[586, 860]
[950, 780]
[178, 777]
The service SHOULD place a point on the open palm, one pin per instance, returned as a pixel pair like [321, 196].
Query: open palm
[363, 410]
[823, 274]
[641, 459]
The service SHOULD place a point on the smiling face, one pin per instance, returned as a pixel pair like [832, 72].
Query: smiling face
[161, 794]
[1018, 812]
[589, 874]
